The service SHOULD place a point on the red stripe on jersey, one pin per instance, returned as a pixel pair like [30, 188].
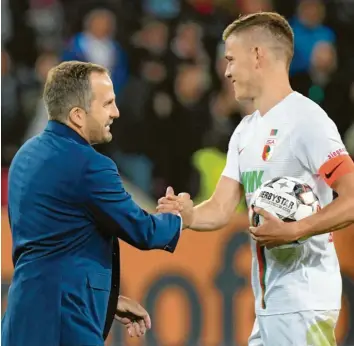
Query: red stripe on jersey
[262, 267]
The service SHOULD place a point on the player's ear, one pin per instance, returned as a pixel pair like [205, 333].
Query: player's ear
[77, 116]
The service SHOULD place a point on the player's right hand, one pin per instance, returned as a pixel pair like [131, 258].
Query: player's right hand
[181, 204]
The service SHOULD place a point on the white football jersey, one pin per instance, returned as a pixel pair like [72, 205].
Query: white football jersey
[295, 138]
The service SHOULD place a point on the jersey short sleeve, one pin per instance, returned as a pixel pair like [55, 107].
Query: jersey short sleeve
[232, 168]
[319, 147]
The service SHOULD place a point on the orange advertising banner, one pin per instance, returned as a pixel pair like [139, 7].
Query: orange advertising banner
[201, 294]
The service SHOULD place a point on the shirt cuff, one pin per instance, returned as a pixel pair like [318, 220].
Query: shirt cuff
[181, 227]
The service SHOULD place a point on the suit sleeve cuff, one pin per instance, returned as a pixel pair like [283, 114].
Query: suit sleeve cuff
[171, 246]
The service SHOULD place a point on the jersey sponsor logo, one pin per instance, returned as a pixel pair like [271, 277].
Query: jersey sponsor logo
[251, 180]
[241, 150]
[328, 175]
[269, 145]
[337, 153]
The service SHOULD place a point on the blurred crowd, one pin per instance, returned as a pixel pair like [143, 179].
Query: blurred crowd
[166, 59]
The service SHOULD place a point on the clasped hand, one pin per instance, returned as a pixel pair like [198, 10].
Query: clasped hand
[273, 232]
[178, 205]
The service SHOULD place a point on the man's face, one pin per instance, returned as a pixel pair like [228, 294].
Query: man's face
[247, 7]
[241, 67]
[101, 25]
[312, 12]
[103, 109]
[324, 57]
[189, 82]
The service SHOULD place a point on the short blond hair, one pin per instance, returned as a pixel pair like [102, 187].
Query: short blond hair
[275, 25]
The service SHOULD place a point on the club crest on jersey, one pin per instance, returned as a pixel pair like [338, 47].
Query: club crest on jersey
[269, 145]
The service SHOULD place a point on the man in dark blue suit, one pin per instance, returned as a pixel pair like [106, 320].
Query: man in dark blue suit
[67, 208]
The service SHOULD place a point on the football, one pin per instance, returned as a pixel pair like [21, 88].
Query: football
[287, 198]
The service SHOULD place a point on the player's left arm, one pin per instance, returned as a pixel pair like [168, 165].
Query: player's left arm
[327, 156]
[340, 212]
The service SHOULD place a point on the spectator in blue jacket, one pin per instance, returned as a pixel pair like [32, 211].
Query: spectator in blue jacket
[308, 31]
[96, 44]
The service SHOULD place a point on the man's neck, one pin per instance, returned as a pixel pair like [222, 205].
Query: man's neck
[77, 130]
[272, 94]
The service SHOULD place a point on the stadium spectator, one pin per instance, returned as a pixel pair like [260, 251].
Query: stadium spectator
[39, 120]
[167, 9]
[11, 110]
[96, 44]
[308, 30]
[328, 85]
[157, 38]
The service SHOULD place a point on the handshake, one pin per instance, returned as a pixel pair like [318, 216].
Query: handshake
[179, 205]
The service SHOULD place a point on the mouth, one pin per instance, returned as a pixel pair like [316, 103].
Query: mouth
[108, 126]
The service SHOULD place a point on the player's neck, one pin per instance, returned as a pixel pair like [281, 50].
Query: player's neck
[272, 94]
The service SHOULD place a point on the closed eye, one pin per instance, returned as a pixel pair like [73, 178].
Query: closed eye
[109, 102]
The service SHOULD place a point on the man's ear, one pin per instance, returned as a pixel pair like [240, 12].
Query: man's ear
[77, 116]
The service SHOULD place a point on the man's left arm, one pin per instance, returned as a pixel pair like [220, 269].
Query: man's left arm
[327, 157]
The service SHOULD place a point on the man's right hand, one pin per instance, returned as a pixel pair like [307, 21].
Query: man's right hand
[179, 205]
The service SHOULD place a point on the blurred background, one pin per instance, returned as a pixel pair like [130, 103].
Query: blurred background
[177, 110]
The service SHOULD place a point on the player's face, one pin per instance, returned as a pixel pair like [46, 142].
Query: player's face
[241, 67]
[103, 109]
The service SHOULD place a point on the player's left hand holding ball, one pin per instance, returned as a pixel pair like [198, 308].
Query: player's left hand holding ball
[273, 231]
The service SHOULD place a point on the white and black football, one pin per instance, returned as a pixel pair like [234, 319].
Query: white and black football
[287, 198]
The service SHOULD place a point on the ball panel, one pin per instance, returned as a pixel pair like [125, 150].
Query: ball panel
[302, 212]
[284, 185]
[287, 198]
[307, 198]
[316, 207]
[253, 217]
[270, 182]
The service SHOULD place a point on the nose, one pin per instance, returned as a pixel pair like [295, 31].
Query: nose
[116, 113]
[227, 72]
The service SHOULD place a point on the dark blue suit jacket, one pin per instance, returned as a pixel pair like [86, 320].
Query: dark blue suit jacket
[67, 207]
